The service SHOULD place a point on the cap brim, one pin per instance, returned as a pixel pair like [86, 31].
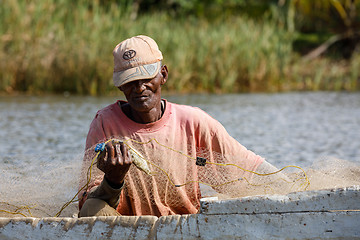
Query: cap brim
[137, 73]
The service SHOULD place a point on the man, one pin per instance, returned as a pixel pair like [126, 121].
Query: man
[169, 136]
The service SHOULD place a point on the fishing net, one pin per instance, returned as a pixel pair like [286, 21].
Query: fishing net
[330, 172]
[162, 174]
[170, 173]
[38, 185]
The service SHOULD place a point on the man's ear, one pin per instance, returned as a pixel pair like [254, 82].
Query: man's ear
[164, 73]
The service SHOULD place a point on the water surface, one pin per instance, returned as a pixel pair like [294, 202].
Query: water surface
[284, 128]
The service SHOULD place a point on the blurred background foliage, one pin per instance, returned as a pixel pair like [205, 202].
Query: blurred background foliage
[57, 46]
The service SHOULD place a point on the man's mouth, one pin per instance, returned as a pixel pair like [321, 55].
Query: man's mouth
[140, 98]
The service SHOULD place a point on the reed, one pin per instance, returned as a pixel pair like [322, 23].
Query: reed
[56, 46]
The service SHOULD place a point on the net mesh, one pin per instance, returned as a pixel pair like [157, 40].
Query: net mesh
[39, 190]
[172, 174]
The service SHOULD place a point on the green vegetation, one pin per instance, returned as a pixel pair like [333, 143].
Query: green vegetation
[66, 46]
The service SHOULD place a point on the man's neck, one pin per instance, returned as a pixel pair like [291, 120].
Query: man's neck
[144, 117]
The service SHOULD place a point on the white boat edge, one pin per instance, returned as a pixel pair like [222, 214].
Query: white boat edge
[322, 214]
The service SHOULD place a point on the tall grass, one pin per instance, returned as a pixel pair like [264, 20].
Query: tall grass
[63, 45]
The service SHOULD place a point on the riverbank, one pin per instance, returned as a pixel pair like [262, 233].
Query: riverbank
[45, 48]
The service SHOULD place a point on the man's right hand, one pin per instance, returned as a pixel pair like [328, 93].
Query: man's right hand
[115, 163]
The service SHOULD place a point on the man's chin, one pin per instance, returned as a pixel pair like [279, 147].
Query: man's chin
[140, 106]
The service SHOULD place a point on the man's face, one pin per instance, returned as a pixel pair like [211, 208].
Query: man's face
[144, 95]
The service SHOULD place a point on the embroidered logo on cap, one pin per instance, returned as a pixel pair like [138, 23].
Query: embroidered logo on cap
[129, 54]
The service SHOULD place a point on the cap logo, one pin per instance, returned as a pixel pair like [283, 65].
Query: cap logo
[129, 54]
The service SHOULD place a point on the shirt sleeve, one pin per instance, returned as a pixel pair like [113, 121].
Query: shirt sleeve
[105, 192]
[228, 160]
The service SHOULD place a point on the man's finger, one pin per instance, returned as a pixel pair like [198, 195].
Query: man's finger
[128, 158]
[119, 158]
[101, 160]
[111, 158]
[125, 153]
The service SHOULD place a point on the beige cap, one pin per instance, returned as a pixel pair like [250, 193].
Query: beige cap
[136, 58]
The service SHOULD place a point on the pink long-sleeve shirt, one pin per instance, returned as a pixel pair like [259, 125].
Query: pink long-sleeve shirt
[171, 144]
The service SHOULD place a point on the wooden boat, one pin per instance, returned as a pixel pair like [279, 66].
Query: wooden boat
[321, 214]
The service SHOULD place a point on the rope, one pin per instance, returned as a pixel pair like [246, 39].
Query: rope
[18, 209]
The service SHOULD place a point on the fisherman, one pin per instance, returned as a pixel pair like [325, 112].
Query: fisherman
[124, 190]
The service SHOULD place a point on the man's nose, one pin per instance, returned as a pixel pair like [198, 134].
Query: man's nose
[140, 85]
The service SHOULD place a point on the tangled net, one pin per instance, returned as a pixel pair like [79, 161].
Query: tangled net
[185, 173]
[216, 175]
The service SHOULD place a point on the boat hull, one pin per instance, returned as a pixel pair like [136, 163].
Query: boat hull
[323, 214]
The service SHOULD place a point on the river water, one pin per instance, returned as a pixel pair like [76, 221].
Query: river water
[42, 138]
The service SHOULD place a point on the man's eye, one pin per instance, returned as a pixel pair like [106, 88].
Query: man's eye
[147, 80]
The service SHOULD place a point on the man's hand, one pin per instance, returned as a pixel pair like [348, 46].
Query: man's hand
[115, 163]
